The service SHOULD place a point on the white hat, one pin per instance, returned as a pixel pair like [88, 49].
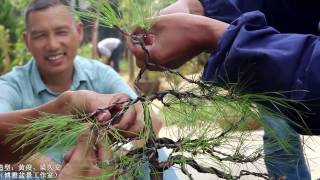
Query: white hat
[108, 45]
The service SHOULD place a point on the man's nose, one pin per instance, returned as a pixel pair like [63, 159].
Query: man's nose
[53, 43]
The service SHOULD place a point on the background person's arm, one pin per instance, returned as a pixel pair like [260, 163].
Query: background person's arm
[176, 38]
[222, 10]
[251, 51]
[184, 6]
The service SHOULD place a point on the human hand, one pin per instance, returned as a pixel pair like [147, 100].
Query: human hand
[82, 161]
[176, 38]
[109, 104]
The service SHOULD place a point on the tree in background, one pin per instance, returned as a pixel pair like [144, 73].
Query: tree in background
[12, 49]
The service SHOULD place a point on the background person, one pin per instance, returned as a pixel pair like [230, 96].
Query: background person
[111, 49]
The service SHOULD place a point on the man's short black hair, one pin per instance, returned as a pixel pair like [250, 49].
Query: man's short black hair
[37, 5]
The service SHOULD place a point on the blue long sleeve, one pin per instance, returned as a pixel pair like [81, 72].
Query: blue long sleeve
[287, 16]
[229, 10]
[254, 52]
[223, 10]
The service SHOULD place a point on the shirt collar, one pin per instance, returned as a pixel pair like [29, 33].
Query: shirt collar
[36, 80]
[39, 86]
[78, 75]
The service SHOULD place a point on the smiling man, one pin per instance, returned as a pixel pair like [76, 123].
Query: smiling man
[53, 36]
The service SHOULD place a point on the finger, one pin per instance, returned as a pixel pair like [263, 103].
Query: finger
[68, 155]
[127, 120]
[83, 149]
[149, 39]
[103, 117]
[139, 53]
[134, 47]
[105, 156]
[137, 49]
[129, 42]
[101, 152]
[120, 98]
[92, 158]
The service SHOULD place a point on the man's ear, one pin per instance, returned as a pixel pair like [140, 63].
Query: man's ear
[79, 27]
[25, 38]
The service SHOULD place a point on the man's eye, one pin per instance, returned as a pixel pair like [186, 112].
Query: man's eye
[63, 33]
[39, 36]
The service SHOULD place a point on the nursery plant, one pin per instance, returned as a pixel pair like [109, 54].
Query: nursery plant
[193, 110]
[12, 49]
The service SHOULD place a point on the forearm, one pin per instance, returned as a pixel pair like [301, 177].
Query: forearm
[184, 6]
[9, 120]
[209, 33]
[194, 6]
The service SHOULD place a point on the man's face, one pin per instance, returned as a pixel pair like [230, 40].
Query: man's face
[53, 38]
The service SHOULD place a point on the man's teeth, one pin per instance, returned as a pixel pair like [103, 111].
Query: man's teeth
[53, 58]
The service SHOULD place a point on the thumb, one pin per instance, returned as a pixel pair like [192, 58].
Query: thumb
[68, 155]
[83, 148]
[135, 46]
